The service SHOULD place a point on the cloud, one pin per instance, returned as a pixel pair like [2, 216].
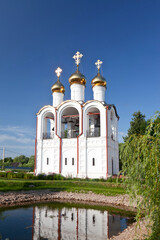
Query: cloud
[121, 135]
[6, 137]
[20, 147]
[19, 130]
[18, 139]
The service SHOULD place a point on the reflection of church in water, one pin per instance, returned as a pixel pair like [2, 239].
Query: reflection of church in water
[74, 137]
[73, 223]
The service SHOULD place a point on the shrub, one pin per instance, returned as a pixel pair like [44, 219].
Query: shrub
[9, 175]
[58, 177]
[3, 174]
[41, 176]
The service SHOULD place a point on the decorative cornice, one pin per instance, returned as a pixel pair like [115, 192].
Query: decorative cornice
[43, 109]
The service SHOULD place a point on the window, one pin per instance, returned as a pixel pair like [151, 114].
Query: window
[72, 161]
[65, 161]
[47, 161]
[112, 166]
[72, 216]
[93, 219]
[46, 213]
[111, 115]
[93, 161]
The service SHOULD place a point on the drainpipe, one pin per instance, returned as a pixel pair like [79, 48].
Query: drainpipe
[107, 141]
[78, 140]
[60, 149]
[35, 157]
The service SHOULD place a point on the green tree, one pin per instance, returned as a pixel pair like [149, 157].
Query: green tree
[141, 163]
[30, 163]
[21, 159]
[137, 125]
[120, 160]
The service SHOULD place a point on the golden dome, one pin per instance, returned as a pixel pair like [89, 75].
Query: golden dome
[78, 78]
[98, 80]
[58, 87]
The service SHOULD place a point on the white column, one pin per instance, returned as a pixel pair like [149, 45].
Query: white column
[77, 92]
[57, 98]
[99, 93]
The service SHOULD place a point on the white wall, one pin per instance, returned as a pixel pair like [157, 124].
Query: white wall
[99, 93]
[57, 98]
[77, 92]
[89, 148]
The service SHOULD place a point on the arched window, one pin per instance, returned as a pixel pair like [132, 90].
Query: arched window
[93, 122]
[70, 123]
[48, 126]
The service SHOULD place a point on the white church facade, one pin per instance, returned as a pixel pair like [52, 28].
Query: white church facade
[77, 138]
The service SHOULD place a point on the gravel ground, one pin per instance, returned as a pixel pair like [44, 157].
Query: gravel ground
[120, 201]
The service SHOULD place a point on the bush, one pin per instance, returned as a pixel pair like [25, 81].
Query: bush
[58, 177]
[28, 176]
[41, 176]
[9, 175]
[20, 175]
[3, 174]
[50, 177]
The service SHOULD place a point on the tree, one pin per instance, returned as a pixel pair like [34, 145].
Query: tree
[141, 163]
[120, 160]
[137, 125]
[21, 159]
[30, 163]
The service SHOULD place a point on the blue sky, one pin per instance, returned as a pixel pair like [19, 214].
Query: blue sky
[37, 36]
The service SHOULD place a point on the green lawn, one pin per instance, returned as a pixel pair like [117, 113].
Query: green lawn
[106, 188]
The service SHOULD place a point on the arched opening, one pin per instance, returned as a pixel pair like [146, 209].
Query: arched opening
[93, 122]
[70, 123]
[48, 126]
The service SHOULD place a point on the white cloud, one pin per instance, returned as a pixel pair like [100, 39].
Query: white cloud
[121, 135]
[20, 147]
[19, 130]
[17, 138]
[6, 137]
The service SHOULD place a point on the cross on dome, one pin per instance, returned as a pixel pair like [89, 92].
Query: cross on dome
[77, 58]
[98, 63]
[58, 71]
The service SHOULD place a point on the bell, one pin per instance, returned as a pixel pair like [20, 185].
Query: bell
[97, 123]
[77, 124]
[64, 121]
[70, 120]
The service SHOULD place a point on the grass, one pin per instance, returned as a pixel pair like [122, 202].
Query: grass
[106, 188]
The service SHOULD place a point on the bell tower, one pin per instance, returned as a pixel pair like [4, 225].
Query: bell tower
[58, 89]
[77, 81]
[99, 84]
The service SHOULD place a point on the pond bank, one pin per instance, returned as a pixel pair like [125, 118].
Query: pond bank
[39, 196]
[26, 197]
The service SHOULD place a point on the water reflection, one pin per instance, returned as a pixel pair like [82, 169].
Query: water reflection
[73, 223]
[59, 222]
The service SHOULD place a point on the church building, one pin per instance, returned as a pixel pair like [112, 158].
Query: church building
[77, 138]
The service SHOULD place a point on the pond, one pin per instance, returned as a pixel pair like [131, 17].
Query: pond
[61, 221]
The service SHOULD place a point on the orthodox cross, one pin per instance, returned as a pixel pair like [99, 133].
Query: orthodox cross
[77, 58]
[98, 64]
[58, 72]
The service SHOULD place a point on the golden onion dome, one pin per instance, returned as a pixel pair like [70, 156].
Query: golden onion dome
[58, 87]
[78, 78]
[98, 80]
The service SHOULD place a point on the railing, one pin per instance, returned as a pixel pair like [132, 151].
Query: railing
[70, 134]
[48, 135]
[93, 132]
